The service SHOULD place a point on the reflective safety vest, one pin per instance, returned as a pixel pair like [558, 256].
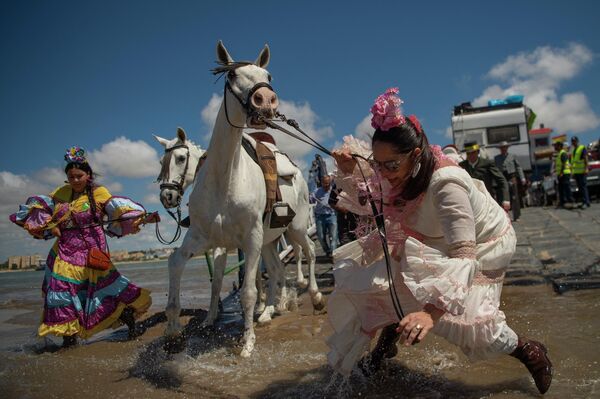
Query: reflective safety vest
[559, 163]
[578, 161]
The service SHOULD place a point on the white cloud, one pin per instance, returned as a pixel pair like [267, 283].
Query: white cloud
[448, 132]
[364, 130]
[152, 198]
[51, 176]
[15, 189]
[125, 158]
[209, 114]
[538, 76]
[113, 187]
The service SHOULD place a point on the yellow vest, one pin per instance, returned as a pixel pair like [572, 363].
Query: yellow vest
[578, 161]
[559, 164]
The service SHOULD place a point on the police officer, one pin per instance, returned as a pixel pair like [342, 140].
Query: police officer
[485, 170]
[562, 168]
[510, 167]
[579, 168]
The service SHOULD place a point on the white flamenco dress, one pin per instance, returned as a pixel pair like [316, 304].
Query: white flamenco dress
[458, 247]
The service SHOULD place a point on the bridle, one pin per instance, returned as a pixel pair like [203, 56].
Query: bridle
[245, 104]
[175, 185]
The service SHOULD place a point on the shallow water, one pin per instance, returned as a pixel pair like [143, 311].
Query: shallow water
[289, 359]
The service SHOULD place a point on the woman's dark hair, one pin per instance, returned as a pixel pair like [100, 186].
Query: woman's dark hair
[404, 139]
[89, 189]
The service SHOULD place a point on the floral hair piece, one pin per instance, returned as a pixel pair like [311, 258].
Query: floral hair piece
[387, 110]
[75, 155]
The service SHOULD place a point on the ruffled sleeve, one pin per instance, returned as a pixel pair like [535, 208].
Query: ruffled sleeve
[434, 278]
[454, 211]
[353, 186]
[123, 213]
[35, 216]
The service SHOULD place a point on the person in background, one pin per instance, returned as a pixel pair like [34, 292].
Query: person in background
[80, 301]
[451, 151]
[579, 168]
[562, 168]
[346, 220]
[508, 164]
[486, 171]
[325, 217]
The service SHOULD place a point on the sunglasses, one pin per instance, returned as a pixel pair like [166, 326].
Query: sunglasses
[390, 166]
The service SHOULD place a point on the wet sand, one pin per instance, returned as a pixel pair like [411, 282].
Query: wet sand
[289, 361]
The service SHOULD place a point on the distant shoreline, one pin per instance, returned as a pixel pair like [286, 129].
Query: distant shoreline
[116, 263]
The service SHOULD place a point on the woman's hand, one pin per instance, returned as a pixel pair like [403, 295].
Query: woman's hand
[55, 231]
[344, 161]
[415, 326]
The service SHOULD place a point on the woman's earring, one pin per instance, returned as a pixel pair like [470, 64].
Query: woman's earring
[416, 170]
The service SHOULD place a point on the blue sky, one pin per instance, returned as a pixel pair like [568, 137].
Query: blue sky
[107, 75]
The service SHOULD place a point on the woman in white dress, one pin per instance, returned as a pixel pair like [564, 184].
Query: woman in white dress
[450, 244]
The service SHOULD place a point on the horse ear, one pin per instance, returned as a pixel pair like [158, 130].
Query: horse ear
[162, 141]
[181, 134]
[264, 57]
[222, 54]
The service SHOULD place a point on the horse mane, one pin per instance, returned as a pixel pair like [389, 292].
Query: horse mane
[225, 67]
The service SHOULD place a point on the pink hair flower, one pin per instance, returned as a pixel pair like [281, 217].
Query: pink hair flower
[413, 119]
[387, 110]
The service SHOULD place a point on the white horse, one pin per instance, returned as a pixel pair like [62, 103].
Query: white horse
[229, 197]
[180, 164]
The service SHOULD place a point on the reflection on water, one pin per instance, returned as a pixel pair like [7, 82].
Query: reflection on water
[289, 360]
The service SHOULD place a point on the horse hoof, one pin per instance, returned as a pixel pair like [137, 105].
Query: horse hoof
[319, 305]
[174, 344]
[302, 283]
[245, 353]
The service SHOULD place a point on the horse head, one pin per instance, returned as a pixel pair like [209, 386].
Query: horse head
[179, 165]
[248, 95]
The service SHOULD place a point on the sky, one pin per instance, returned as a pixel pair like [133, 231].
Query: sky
[108, 75]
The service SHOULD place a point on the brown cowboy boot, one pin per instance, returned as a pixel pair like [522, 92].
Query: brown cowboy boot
[534, 356]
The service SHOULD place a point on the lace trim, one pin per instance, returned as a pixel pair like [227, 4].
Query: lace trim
[463, 249]
[487, 277]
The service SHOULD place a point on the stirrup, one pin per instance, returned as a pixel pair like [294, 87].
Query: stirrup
[281, 215]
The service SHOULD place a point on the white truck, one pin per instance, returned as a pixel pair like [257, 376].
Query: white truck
[508, 121]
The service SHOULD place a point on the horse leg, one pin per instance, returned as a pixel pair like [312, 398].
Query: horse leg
[220, 257]
[260, 295]
[271, 260]
[308, 247]
[192, 244]
[300, 280]
[248, 297]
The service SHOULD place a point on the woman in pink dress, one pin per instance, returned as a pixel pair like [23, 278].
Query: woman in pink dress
[450, 245]
[79, 300]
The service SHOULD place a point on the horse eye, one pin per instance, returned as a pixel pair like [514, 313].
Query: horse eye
[269, 77]
[180, 159]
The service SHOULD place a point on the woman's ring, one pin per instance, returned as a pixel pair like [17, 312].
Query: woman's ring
[418, 327]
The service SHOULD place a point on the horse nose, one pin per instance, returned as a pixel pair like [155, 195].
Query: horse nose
[265, 99]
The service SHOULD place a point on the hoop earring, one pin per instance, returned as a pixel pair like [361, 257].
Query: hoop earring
[416, 170]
